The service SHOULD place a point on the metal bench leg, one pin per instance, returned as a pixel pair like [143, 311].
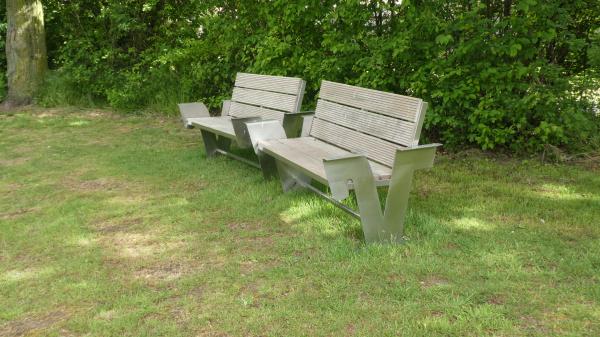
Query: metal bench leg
[268, 165]
[290, 178]
[356, 170]
[264, 130]
[378, 225]
[223, 143]
[210, 143]
[214, 144]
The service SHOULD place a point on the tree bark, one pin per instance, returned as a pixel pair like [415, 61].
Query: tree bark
[26, 56]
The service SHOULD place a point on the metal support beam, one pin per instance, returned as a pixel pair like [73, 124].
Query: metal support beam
[379, 225]
[332, 200]
[236, 157]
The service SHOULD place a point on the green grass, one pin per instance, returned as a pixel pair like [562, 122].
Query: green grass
[119, 226]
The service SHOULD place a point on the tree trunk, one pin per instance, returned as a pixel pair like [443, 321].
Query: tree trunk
[25, 50]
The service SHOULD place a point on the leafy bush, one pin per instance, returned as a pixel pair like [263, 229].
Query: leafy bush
[511, 74]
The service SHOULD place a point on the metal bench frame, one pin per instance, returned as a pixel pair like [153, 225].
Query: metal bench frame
[354, 113]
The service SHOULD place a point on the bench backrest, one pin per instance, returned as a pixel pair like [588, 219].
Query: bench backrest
[366, 121]
[269, 97]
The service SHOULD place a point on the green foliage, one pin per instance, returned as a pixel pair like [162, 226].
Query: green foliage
[499, 74]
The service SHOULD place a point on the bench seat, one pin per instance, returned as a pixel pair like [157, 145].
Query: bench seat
[221, 126]
[307, 153]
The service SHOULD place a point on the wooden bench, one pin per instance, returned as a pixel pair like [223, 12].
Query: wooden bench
[254, 98]
[359, 139]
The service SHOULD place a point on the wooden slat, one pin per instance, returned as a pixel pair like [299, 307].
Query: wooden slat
[374, 148]
[237, 109]
[388, 128]
[308, 153]
[287, 85]
[268, 99]
[385, 103]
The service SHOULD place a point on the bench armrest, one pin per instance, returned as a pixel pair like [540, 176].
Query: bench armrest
[241, 130]
[339, 167]
[297, 124]
[225, 107]
[192, 110]
[418, 157]
[264, 130]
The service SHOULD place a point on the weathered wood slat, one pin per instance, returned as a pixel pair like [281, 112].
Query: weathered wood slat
[287, 85]
[373, 148]
[268, 99]
[308, 153]
[388, 128]
[385, 103]
[237, 109]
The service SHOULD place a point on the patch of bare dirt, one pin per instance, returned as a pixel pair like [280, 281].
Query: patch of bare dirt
[142, 253]
[41, 112]
[207, 332]
[49, 113]
[9, 108]
[16, 214]
[350, 329]
[199, 293]
[125, 128]
[100, 184]
[123, 192]
[145, 255]
[67, 333]
[111, 226]
[163, 272]
[496, 300]
[531, 323]
[395, 278]
[257, 243]
[28, 325]
[240, 226]
[11, 188]
[13, 162]
[190, 186]
[134, 245]
[96, 113]
[107, 315]
[433, 281]
[436, 314]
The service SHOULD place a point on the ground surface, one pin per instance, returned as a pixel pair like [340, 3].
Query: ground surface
[119, 226]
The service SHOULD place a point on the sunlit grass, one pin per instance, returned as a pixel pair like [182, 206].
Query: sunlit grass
[113, 225]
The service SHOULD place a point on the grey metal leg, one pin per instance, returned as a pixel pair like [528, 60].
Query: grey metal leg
[291, 178]
[264, 130]
[223, 143]
[210, 143]
[355, 170]
[378, 225]
[268, 165]
[214, 144]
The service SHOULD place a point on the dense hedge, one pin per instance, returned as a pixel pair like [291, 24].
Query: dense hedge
[507, 74]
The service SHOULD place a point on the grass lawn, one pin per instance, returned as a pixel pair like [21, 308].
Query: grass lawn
[117, 225]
